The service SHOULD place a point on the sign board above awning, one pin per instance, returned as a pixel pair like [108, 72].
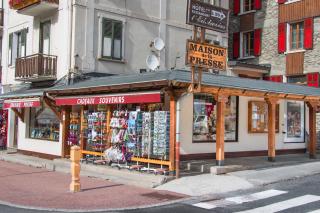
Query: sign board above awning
[21, 103]
[125, 98]
[206, 56]
[207, 16]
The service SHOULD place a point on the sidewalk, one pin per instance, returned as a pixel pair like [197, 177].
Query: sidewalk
[43, 189]
[233, 181]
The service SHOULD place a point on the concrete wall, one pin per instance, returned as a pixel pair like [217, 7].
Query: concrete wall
[246, 141]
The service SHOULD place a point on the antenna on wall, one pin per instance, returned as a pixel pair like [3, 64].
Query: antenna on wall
[153, 60]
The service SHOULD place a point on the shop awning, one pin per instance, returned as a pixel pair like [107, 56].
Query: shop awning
[21, 103]
[122, 98]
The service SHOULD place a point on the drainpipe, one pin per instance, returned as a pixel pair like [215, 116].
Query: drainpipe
[177, 149]
[71, 38]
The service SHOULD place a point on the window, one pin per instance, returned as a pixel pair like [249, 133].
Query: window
[17, 45]
[213, 2]
[298, 79]
[44, 46]
[112, 39]
[204, 118]
[248, 44]
[44, 124]
[258, 117]
[296, 35]
[294, 121]
[247, 5]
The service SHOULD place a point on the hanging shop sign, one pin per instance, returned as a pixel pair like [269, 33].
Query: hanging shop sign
[128, 98]
[21, 103]
[206, 56]
[208, 16]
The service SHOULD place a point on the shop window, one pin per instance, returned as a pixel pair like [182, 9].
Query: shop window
[294, 121]
[204, 118]
[112, 39]
[17, 45]
[43, 124]
[248, 44]
[300, 79]
[258, 117]
[296, 36]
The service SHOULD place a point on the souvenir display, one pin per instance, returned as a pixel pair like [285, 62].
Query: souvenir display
[147, 133]
[74, 129]
[95, 130]
[161, 134]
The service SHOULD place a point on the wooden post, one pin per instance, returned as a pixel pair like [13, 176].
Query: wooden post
[220, 128]
[172, 131]
[312, 129]
[65, 130]
[75, 157]
[82, 139]
[272, 104]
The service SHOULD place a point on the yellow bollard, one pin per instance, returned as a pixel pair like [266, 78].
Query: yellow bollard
[75, 156]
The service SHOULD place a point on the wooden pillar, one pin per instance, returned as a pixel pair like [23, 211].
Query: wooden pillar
[65, 130]
[220, 128]
[75, 157]
[272, 105]
[312, 129]
[172, 132]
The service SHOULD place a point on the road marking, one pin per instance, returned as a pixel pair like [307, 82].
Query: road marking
[204, 205]
[239, 199]
[287, 204]
[316, 211]
[256, 196]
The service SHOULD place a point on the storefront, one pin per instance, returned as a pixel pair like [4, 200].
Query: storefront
[152, 120]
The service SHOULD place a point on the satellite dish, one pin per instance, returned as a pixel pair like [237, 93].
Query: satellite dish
[158, 44]
[152, 62]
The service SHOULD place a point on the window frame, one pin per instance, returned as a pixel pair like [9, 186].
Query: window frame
[41, 36]
[214, 141]
[242, 7]
[102, 16]
[15, 38]
[242, 44]
[298, 39]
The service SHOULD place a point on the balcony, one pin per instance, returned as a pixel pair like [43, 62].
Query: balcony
[36, 68]
[34, 7]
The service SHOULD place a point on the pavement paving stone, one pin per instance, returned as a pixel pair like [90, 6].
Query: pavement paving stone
[36, 187]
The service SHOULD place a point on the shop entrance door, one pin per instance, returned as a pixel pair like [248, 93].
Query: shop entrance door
[15, 136]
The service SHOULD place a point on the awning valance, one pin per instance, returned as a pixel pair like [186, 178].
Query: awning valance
[21, 103]
[122, 98]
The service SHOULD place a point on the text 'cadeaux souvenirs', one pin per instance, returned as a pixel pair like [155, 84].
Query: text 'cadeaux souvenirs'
[102, 100]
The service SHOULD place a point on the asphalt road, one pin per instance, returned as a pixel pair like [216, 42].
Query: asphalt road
[295, 196]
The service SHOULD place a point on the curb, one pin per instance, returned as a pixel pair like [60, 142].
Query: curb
[94, 210]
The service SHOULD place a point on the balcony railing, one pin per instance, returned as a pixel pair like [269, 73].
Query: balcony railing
[35, 68]
[34, 7]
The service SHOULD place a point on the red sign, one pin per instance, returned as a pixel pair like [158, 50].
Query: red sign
[23, 103]
[111, 99]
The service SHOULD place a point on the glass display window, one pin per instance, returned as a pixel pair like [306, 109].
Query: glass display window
[294, 121]
[204, 118]
[258, 117]
[43, 124]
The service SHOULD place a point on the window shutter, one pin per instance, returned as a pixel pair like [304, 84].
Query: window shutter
[313, 79]
[282, 38]
[266, 78]
[236, 45]
[236, 7]
[257, 4]
[282, 1]
[257, 42]
[308, 33]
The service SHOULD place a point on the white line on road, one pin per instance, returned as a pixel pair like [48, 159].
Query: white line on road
[287, 204]
[239, 199]
[256, 196]
[316, 211]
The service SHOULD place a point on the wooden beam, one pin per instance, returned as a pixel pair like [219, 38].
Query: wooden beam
[312, 129]
[272, 103]
[53, 107]
[212, 90]
[220, 128]
[65, 131]
[20, 114]
[172, 132]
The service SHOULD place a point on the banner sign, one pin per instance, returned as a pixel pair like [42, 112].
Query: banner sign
[207, 16]
[206, 56]
[21, 103]
[111, 99]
